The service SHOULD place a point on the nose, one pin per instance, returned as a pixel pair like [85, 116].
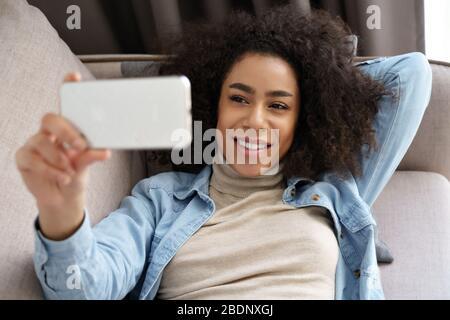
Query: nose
[256, 118]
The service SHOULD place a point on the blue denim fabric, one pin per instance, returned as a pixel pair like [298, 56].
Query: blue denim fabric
[125, 254]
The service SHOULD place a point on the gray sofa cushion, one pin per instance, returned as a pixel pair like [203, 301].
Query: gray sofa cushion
[413, 215]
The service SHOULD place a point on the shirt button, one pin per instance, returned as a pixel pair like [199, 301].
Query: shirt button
[315, 197]
[357, 273]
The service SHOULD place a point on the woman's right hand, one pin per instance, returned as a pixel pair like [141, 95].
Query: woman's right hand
[56, 175]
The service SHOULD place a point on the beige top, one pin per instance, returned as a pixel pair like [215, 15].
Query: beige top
[254, 246]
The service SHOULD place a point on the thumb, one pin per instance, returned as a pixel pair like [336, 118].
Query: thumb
[90, 156]
[72, 77]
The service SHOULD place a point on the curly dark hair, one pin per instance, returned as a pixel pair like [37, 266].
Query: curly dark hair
[338, 102]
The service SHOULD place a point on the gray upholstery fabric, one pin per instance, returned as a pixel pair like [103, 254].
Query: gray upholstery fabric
[123, 69]
[430, 150]
[413, 215]
[140, 68]
[34, 62]
[384, 254]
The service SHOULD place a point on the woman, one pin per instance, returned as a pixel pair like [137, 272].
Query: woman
[227, 229]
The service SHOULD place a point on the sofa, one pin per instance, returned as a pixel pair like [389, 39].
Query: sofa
[412, 213]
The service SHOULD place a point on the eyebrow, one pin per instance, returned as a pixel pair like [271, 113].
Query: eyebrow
[250, 90]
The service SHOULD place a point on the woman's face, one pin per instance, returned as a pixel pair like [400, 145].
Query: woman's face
[260, 94]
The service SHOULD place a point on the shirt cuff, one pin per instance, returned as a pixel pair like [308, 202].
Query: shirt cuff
[76, 246]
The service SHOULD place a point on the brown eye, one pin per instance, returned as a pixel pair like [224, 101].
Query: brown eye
[238, 99]
[278, 106]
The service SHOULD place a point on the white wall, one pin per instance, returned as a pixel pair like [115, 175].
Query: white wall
[437, 29]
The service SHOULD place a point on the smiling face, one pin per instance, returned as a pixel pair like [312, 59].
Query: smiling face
[259, 95]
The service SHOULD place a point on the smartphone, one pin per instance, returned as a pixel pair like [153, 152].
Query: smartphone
[136, 113]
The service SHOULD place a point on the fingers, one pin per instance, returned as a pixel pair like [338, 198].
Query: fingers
[39, 156]
[45, 146]
[30, 162]
[90, 156]
[53, 124]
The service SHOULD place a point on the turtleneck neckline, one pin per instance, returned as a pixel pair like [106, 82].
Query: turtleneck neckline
[228, 181]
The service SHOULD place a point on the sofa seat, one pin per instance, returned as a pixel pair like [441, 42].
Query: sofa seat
[413, 217]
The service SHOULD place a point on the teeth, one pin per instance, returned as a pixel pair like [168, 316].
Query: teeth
[252, 146]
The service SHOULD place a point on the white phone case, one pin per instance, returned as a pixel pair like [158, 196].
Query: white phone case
[139, 113]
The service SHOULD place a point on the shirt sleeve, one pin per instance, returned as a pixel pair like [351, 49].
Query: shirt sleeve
[101, 262]
[409, 77]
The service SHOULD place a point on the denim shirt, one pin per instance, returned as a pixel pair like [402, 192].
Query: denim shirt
[125, 254]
